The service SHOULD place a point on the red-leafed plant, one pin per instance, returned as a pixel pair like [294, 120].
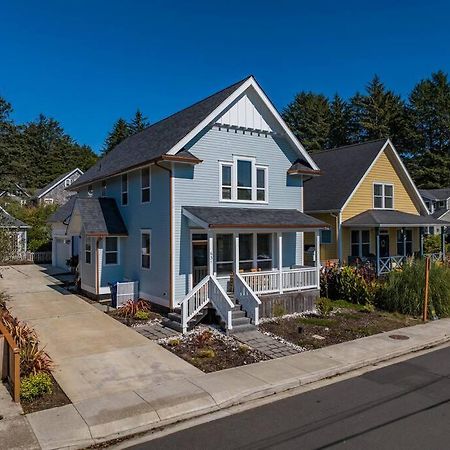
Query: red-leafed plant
[131, 307]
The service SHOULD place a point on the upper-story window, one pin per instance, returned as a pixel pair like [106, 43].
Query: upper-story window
[124, 194]
[104, 188]
[383, 196]
[243, 181]
[68, 182]
[90, 191]
[145, 185]
[442, 204]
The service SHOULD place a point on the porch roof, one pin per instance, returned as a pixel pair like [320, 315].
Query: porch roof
[100, 216]
[391, 218]
[225, 217]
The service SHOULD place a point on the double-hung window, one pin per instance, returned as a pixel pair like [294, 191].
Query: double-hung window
[360, 243]
[87, 250]
[404, 242]
[111, 250]
[124, 194]
[145, 249]
[145, 185]
[383, 196]
[243, 181]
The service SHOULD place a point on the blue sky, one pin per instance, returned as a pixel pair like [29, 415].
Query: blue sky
[86, 63]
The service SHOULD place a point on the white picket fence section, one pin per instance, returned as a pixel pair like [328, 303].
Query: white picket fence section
[33, 257]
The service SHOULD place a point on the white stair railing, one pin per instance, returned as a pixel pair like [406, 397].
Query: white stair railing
[247, 298]
[194, 302]
[221, 302]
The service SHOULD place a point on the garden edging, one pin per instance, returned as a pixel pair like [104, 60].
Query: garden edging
[183, 399]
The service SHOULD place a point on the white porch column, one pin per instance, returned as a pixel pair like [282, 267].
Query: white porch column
[317, 233]
[210, 253]
[280, 260]
[236, 253]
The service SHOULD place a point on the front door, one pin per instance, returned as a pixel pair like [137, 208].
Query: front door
[384, 245]
[199, 261]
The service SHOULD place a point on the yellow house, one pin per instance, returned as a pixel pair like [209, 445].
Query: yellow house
[372, 205]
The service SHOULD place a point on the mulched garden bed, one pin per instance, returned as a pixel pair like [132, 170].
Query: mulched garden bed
[47, 401]
[210, 350]
[344, 324]
[133, 322]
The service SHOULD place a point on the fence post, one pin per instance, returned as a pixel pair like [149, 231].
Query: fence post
[16, 376]
[427, 280]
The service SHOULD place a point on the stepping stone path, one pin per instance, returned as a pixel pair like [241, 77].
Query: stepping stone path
[156, 331]
[265, 344]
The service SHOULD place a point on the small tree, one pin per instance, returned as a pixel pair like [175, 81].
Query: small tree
[5, 245]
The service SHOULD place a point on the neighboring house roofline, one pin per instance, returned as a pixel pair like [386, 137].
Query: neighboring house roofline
[13, 222]
[18, 186]
[57, 182]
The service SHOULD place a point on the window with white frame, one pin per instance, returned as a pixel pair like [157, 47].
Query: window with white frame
[325, 237]
[404, 242]
[145, 185]
[111, 250]
[87, 250]
[360, 243]
[145, 249]
[243, 181]
[124, 193]
[68, 182]
[48, 201]
[224, 250]
[383, 196]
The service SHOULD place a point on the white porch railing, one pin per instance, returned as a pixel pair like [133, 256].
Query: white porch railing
[289, 280]
[247, 298]
[208, 290]
[386, 264]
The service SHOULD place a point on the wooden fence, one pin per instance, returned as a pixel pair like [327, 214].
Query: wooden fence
[10, 363]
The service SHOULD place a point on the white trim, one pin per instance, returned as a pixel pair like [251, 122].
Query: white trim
[124, 192]
[59, 182]
[90, 250]
[149, 232]
[195, 219]
[104, 263]
[221, 165]
[383, 185]
[149, 187]
[250, 82]
[360, 242]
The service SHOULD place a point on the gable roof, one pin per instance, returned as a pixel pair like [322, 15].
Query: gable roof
[439, 213]
[100, 216]
[63, 213]
[435, 194]
[19, 187]
[167, 138]
[41, 192]
[8, 221]
[342, 170]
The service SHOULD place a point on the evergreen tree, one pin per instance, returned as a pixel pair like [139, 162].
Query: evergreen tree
[120, 131]
[430, 170]
[308, 116]
[377, 114]
[138, 122]
[340, 123]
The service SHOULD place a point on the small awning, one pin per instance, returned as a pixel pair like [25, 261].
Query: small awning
[390, 218]
[224, 217]
[98, 217]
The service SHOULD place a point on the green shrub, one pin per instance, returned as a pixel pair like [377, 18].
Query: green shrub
[324, 306]
[206, 353]
[278, 310]
[403, 290]
[353, 284]
[142, 315]
[35, 386]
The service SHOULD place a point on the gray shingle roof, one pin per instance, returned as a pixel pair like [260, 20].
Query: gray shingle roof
[54, 182]
[217, 217]
[387, 217]
[8, 221]
[100, 216]
[156, 140]
[302, 166]
[435, 194]
[439, 213]
[63, 213]
[342, 169]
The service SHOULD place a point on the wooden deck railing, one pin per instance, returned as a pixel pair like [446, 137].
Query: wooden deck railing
[10, 366]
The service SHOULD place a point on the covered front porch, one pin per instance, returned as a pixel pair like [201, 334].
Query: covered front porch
[387, 238]
[267, 256]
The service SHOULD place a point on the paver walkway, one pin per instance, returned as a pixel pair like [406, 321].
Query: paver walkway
[156, 331]
[95, 355]
[265, 344]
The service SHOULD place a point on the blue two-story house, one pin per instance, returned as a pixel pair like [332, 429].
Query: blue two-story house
[203, 209]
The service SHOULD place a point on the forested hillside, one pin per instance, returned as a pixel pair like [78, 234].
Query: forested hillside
[419, 125]
[35, 153]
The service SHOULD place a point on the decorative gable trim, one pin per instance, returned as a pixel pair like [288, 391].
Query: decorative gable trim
[251, 82]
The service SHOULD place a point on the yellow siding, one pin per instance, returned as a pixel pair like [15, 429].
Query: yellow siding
[327, 251]
[383, 171]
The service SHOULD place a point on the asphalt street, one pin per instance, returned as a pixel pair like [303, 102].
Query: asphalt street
[402, 406]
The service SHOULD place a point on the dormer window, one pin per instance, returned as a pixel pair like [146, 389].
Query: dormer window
[383, 196]
[243, 181]
[68, 182]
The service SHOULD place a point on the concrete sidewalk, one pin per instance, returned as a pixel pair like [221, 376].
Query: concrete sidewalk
[130, 411]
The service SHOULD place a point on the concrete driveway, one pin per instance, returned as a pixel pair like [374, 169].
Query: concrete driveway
[95, 355]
